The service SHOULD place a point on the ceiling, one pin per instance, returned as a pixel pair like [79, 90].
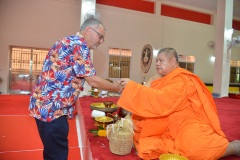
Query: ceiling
[208, 5]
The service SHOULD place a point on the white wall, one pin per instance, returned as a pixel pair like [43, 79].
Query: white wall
[132, 30]
[235, 51]
[129, 30]
[35, 23]
[191, 39]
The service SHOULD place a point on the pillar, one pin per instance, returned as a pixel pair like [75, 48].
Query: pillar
[223, 54]
[87, 6]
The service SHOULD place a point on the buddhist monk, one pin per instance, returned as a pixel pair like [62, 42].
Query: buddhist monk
[176, 114]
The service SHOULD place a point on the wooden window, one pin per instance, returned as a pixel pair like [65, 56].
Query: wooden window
[119, 63]
[235, 72]
[187, 62]
[25, 67]
[23, 58]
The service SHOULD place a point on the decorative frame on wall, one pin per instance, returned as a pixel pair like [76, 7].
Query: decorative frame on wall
[146, 58]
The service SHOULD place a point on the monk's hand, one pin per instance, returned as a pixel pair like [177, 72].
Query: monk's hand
[123, 82]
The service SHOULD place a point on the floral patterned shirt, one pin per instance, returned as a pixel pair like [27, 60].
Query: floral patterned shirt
[61, 79]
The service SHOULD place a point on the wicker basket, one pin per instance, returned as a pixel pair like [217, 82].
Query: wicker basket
[120, 137]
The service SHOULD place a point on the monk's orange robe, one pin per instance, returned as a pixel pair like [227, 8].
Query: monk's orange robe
[177, 114]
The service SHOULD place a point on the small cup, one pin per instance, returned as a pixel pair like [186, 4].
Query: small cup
[108, 104]
[95, 93]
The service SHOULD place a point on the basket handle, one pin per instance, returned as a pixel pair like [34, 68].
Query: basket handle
[119, 126]
[122, 122]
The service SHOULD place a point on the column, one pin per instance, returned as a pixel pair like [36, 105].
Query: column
[223, 54]
[87, 6]
[158, 8]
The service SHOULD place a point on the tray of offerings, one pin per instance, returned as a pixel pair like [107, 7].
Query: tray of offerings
[107, 106]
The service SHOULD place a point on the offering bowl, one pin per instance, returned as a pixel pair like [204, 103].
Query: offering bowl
[108, 104]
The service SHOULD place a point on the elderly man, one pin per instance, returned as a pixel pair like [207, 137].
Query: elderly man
[176, 114]
[65, 69]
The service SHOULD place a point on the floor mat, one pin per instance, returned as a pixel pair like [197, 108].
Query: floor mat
[14, 104]
[74, 154]
[19, 137]
[20, 133]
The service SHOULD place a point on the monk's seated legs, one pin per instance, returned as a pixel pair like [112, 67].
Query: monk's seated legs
[198, 141]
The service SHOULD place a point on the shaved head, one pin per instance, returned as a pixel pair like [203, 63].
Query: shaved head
[169, 52]
[166, 61]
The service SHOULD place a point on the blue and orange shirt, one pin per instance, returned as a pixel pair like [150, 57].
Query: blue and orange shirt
[61, 79]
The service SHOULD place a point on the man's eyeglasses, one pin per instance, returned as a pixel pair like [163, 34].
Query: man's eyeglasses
[101, 37]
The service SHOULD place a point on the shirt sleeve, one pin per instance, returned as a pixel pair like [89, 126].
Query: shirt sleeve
[83, 66]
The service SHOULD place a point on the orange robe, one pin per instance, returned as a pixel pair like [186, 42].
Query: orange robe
[177, 114]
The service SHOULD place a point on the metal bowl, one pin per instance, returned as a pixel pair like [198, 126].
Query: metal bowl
[103, 121]
[172, 157]
[101, 107]
[108, 104]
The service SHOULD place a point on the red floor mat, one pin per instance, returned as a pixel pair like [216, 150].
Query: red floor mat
[20, 133]
[74, 154]
[14, 104]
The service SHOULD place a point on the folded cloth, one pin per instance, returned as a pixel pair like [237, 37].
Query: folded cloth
[96, 113]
